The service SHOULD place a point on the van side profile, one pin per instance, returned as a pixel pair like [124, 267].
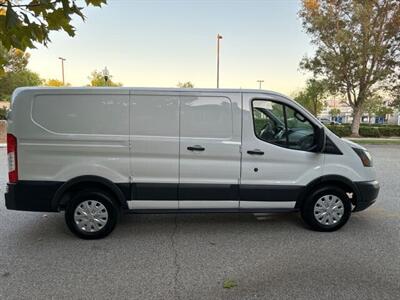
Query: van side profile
[97, 152]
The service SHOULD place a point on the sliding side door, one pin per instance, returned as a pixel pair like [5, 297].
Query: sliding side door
[154, 138]
[209, 164]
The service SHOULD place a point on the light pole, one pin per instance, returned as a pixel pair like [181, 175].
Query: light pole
[260, 83]
[219, 37]
[106, 75]
[62, 68]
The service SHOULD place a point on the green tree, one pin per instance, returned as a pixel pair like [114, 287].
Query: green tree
[335, 112]
[372, 106]
[11, 80]
[187, 84]
[96, 78]
[24, 23]
[55, 83]
[312, 97]
[396, 104]
[396, 97]
[375, 106]
[383, 110]
[16, 72]
[357, 46]
[16, 60]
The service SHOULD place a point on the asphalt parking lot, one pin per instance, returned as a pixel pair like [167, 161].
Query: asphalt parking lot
[191, 256]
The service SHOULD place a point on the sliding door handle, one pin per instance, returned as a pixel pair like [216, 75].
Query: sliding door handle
[255, 152]
[196, 148]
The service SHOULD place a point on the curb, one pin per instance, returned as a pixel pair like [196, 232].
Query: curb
[373, 138]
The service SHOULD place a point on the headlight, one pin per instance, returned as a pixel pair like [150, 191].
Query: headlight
[364, 156]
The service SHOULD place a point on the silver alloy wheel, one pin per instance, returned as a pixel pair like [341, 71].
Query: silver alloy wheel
[90, 216]
[328, 210]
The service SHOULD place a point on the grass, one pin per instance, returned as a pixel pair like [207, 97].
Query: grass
[377, 141]
[229, 283]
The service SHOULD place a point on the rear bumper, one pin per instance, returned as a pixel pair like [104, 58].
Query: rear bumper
[31, 195]
[367, 193]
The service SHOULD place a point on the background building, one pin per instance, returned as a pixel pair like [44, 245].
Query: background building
[345, 115]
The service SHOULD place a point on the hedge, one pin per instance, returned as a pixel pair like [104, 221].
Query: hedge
[367, 130]
[340, 130]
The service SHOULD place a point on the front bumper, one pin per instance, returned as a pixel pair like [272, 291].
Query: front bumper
[367, 193]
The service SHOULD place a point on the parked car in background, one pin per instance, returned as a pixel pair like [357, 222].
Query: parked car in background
[97, 152]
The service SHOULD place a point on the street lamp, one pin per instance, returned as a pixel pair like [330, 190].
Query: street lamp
[219, 37]
[106, 75]
[260, 83]
[62, 68]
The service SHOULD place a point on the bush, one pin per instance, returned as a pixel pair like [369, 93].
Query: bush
[367, 130]
[377, 125]
[3, 113]
[389, 130]
[370, 131]
[340, 130]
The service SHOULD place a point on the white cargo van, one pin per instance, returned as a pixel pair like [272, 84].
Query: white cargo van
[97, 152]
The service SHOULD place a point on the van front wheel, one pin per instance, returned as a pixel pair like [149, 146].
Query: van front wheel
[91, 214]
[327, 209]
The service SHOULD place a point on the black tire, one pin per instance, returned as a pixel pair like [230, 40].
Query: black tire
[307, 210]
[112, 210]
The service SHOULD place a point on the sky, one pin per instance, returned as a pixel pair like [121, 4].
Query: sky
[160, 43]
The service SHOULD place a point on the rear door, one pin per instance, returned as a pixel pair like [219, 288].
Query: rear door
[154, 142]
[277, 158]
[209, 165]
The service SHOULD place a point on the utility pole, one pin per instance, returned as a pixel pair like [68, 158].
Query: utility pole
[219, 37]
[260, 83]
[62, 68]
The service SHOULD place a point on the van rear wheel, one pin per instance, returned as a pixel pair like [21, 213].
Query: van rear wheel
[91, 214]
[326, 209]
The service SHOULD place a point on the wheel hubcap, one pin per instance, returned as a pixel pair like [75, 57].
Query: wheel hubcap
[328, 210]
[90, 216]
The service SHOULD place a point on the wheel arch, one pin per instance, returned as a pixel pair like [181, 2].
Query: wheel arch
[64, 193]
[335, 180]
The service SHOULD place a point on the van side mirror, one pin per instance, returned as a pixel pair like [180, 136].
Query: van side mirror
[320, 139]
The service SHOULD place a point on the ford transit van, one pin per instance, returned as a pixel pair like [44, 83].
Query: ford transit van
[98, 152]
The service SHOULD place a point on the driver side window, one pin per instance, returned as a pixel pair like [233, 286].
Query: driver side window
[281, 125]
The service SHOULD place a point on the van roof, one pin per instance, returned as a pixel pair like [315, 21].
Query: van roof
[159, 89]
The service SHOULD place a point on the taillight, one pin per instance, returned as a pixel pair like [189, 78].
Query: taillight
[12, 158]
